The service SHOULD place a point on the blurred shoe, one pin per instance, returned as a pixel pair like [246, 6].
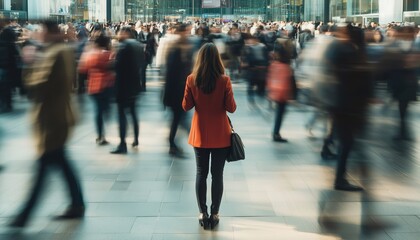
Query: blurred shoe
[176, 151]
[344, 185]
[309, 131]
[214, 220]
[121, 149]
[72, 213]
[19, 222]
[278, 138]
[326, 154]
[401, 137]
[101, 141]
[135, 144]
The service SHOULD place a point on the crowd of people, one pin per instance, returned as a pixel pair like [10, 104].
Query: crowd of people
[333, 67]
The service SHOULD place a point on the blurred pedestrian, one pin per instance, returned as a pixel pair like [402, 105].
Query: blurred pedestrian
[97, 64]
[279, 85]
[210, 92]
[179, 66]
[128, 63]
[256, 62]
[347, 56]
[49, 82]
[403, 72]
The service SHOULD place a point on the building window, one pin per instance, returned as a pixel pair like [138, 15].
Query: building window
[411, 5]
[18, 5]
[365, 7]
[1, 4]
[338, 8]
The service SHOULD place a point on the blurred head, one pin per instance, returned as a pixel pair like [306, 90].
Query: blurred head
[124, 33]
[378, 36]
[280, 53]
[103, 42]
[51, 32]
[208, 68]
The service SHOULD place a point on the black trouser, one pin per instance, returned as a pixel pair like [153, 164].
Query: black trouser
[281, 108]
[403, 106]
[178, 115]
[218, 158]
[5, 96]
[102, 107]
[344, 126]
[143, 77]
[131, 106]
[56, 158]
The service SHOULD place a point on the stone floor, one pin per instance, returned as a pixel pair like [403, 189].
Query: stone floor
[281, 191]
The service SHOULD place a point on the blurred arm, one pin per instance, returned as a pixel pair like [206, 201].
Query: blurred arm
[230, 104]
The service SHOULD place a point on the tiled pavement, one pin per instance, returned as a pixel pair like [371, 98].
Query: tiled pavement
[281, 191]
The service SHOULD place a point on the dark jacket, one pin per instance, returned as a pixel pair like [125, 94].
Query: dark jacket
[9, 57]
[128, 63]
[179, 66]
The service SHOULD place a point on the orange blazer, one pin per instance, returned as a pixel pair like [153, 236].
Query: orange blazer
[210, 126]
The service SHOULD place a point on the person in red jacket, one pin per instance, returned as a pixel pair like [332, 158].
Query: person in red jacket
[209, 90]
[101, 78]
[279, 79]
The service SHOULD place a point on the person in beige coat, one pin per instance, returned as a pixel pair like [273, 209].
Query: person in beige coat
[49, 82]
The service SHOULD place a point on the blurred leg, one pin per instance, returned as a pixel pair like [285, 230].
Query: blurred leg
[72, 180]
[134, 117]
[35, 193]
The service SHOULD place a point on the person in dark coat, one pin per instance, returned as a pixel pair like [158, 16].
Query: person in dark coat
[9, 69]
[403, 66]
[179, 66]
[348, 102]
[128, 62]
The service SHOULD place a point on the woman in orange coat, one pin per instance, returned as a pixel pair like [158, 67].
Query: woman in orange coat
[210, 92]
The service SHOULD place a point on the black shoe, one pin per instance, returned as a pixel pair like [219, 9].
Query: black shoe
[135, 144]
[203, 219]
[401, 137]
[72, 213]
[176, 151]
[344, 185]
[214, 220]
[101, 141]
[326, 154]
[278, 138]
[121, 149]
[19, 222]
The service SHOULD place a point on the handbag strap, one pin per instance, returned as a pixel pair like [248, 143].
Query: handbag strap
[230, 123]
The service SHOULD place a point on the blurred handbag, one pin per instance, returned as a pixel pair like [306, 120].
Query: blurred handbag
[236, 151]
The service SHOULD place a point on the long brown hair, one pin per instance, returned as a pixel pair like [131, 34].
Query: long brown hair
[208, 68]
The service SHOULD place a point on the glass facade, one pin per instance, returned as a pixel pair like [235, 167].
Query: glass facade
[411, 5]
[338, 8]
[14, 9]
[287, 10]
[365, 7]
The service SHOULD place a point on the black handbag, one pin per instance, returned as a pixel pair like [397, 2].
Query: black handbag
[236, 151]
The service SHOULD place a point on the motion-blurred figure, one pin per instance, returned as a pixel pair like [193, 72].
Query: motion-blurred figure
[179, 66]
[256, 62]
[49, 82]
[403, 65]
[97, 64]
[345, 93]
[9, 66]
[279, 79]
[128, 63]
